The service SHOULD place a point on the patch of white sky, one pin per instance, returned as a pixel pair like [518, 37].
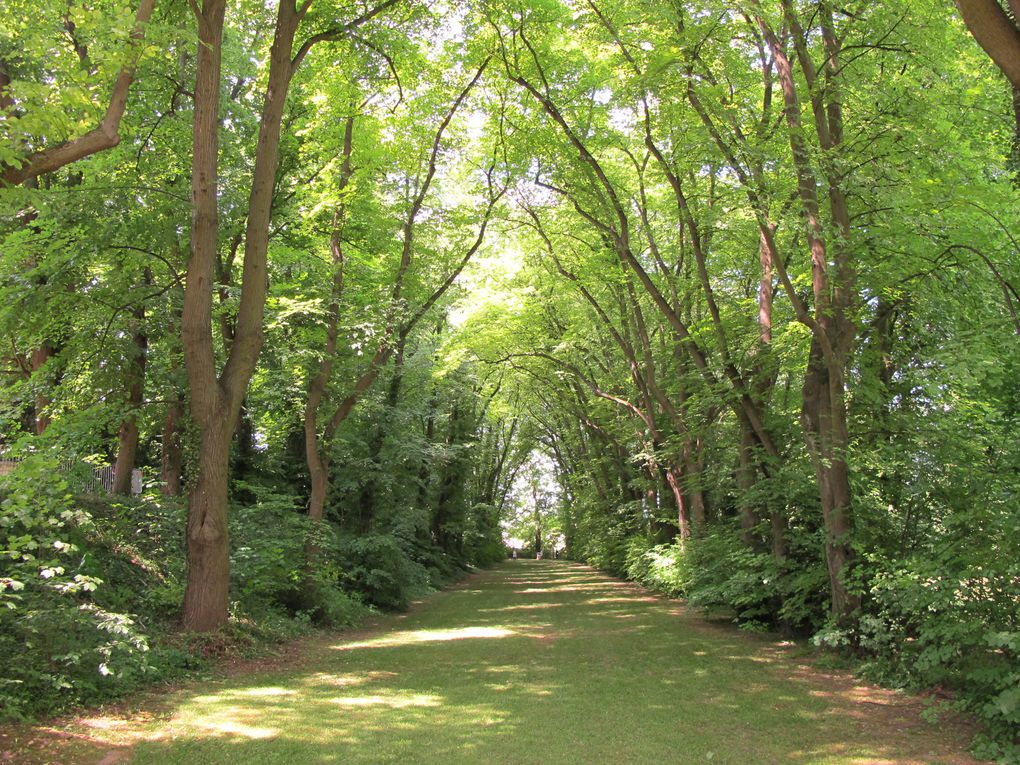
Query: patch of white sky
[488, 281]
[450, 30]
[535, 483]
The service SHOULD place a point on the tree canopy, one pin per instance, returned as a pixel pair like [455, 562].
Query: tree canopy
[721, 296]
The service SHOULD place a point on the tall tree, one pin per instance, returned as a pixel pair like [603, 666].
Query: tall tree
[216, 396]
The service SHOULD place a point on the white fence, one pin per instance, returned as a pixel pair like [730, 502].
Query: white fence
[97, 481]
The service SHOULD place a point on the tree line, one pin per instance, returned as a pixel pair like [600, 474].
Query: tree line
[752, 287]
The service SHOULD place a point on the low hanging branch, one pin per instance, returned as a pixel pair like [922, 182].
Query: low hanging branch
[106, 135]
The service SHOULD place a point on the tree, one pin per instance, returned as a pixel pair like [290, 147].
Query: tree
[216, 397]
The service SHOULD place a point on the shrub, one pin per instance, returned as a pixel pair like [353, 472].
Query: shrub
[267, 550]
[377, 567]
[58, 646]
[663, 568]
[934, 624]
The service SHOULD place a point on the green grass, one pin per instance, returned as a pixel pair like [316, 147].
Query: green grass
[543, 662]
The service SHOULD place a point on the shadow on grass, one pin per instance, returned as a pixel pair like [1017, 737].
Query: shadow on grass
[548, 662]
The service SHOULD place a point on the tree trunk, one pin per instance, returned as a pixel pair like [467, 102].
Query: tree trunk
[318, 470]
[172, 459]
[206, 595]
[683, 514]
[538, 521]
[823, 413]
[695, 493]
[315, 454]
[745, 482]
[127, 438]
[216, 400]
[40, 356]
[824, 421]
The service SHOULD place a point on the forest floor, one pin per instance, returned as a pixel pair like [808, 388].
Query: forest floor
[530, 662]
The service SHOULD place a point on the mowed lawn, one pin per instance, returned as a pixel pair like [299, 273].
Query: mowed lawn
[532, 662]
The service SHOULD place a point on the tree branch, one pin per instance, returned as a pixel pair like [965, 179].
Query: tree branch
[105, 136]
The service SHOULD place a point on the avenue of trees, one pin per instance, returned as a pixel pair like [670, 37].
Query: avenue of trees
[723, 295]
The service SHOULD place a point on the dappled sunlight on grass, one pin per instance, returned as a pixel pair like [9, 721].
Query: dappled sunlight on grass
[581, 587]
[234, 728]
[539, 662]
[392, 701]
[619, 599]
[427, 636]
[266, 692]
[321, 678]
[525, 607]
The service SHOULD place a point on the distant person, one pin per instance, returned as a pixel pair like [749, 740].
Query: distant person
[538, 555]
[515, 555]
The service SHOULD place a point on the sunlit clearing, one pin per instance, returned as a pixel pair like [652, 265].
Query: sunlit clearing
[429, 636]
[262, 692]
[393, 702]
[343, 681]
[233, 728]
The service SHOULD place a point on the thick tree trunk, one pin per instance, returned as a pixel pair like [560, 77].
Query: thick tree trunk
[216, 400]
[127, 449]
[318, 470]
[208, 579]
[206, 596]
[824, 422]
[745, 482]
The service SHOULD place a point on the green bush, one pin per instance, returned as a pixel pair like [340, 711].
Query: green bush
[267, 549]
[377, 567]
[57, 644]
[483, 540]
[932, 624]
[663, 568]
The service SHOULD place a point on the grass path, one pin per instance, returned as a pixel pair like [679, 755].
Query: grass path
[531, 662]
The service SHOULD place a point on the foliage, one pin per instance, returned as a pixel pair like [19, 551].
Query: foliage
[58, 644]
[953, 625]
[376, 566]
[662, 568]
[728, 302]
